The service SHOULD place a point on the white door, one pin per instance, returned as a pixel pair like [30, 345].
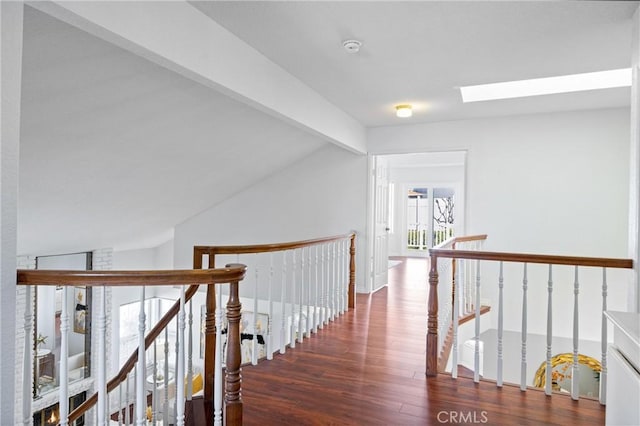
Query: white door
[381, 224]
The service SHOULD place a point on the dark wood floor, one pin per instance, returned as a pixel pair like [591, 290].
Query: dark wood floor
[367, 368]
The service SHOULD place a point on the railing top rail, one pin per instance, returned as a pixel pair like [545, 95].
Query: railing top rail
[264, 248]
[533, 258]
[469, 238]
[450, 242]
[130, 278]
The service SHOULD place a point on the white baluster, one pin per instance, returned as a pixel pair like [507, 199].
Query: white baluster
[269, 341]
[102, 365]
[548, 378]
[300, 308]
[334, 296]
[603, 372]
[308, 323]
[468, 277]
[217, 376]
[175, 405]
[180, 400]
[165, 403]
[325, 285]
[316, 304]
[27, 362]
[340, 277]
[141, 403]
[292, 343]
[523, 361]
[330, 280]
[64, 357]
[476, 352]
[154, 395]
[127, 411]
[189, 354]
[575, 377]
[120, 404]
[345, 275]
[135, 393]
[500, 324]
[327, 301]
[254, 341]
[456, 307]
[322, 302]
[283, 305]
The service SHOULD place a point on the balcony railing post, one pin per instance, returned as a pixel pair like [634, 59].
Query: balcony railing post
[233, 380]
[432, 320]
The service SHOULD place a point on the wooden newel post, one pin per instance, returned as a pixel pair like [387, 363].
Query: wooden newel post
[352, 272]
[233, 378]
[432, 320]
[210, 343]
[209, 331]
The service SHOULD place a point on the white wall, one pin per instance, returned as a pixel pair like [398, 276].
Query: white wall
[634, 165]
[11, 20]
[323, 194]
[152, 258]
[549, 183]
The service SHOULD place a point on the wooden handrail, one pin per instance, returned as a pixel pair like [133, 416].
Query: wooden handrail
[265, 248]
[128, 278]
[452, 241]
[436, 252]
[468, 238]
[533, 258]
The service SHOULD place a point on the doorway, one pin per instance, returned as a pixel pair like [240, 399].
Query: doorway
[416, 201]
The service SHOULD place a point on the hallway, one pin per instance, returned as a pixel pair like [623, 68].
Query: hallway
[367, 368]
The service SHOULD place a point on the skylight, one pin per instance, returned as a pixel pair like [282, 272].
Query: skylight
[547, 86]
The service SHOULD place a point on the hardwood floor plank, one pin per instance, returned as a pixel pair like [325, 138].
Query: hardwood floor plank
[368, 368]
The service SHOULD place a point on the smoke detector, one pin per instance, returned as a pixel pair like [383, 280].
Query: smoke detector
[351, 46]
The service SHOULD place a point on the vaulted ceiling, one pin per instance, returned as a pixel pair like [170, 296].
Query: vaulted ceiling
[116, 150]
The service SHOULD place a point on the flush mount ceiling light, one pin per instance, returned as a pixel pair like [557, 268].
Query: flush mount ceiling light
[547, 86]
[352, 46]
[404, 111]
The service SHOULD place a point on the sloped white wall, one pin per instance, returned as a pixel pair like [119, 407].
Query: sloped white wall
[549, 183]
[159, 257]
[321, 195]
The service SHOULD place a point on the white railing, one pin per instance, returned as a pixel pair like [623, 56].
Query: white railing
[442, 232]
[293, 289]
[418, 236]
[455, 301]
[467, 260]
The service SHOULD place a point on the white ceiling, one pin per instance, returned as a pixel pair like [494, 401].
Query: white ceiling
[115, 150]
[420, 52]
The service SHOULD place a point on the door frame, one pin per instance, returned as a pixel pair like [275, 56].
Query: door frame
[461, 215]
